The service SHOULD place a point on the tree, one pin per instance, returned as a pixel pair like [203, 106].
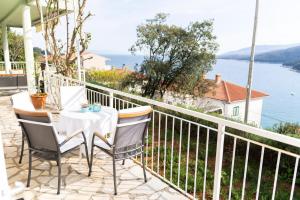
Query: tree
[16, 46]
[63, 50]
[176, 58]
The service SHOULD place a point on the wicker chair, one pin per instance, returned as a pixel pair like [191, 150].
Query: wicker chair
[128, 140]
[44, 141]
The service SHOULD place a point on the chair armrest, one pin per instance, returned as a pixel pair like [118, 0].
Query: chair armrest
[103, 138]
[75, 133]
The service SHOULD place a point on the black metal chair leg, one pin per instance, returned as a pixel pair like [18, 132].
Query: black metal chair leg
[59, 175]
[29, 169]
[91, 162]
[143, 160]
[123, 163]
[114, 173]
[87, 154]
[22, 148]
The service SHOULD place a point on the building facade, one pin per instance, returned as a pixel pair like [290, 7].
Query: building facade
[94, 61]
[227, 99]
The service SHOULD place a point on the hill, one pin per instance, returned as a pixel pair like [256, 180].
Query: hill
[243, 54]
[286, 56]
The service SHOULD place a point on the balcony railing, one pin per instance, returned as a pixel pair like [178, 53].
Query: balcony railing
[204, 156]
[20, 67]
[15, 66]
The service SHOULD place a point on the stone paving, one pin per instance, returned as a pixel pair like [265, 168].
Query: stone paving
[75, 182]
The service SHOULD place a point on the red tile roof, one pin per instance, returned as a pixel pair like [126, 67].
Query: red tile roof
[230, 92]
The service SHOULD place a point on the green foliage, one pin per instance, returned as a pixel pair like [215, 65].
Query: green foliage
[176, 58]
[110, 78]
[291, 129]
[16, 46]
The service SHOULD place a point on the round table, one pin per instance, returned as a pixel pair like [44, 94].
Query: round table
[103, 122]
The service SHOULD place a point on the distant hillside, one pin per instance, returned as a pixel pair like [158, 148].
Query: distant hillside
[244, 54]
[294, 65]
[286, 56]
[289, 55]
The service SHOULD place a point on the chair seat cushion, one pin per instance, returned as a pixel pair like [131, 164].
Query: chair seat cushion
[132, 112]
[22, 101]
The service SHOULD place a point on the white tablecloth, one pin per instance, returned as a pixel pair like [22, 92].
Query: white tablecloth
[103, 122]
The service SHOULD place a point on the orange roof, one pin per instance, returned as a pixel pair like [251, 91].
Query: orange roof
[230, 92]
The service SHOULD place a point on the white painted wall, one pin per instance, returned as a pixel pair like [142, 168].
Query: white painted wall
[255, 111]
[96, 62]
[207, 104]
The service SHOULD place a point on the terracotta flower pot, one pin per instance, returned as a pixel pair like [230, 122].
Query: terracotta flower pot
[39, 100]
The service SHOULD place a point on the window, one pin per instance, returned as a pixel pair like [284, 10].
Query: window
[236, 111]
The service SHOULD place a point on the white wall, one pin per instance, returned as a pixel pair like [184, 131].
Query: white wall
[97, 62]
[207, 104]
[255, 111]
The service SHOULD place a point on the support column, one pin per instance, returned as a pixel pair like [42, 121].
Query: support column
[28, 47]
[6, 49]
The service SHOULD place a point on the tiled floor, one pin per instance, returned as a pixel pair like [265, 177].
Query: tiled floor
[75, 182]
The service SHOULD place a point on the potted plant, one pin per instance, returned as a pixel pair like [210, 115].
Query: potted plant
[39, 98]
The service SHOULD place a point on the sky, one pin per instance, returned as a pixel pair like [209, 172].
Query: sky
[114, 22]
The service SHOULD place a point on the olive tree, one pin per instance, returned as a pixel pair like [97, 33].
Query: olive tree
[176, 58]
[63, 49]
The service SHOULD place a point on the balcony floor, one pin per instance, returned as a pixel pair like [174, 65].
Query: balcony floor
[75, 182]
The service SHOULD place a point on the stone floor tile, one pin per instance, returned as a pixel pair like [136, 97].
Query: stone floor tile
[75, 182]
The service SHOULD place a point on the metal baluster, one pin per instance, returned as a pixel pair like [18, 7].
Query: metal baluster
[153, 122]
[179, 158]
[294, 178]
[260, 171]
[172, 150]
[205, 167]
[165, 148]
[232, 167]
[196, 162]
[187, 158]
[276, 176]
[245, 170]
[158, 148]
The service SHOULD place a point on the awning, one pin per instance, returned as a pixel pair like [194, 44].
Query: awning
[11, 11]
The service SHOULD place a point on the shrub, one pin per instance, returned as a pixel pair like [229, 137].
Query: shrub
[287, 128]
[111, 78]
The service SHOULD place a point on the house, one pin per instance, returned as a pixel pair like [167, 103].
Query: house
[227, 99]
[94, 61]
[88, 61]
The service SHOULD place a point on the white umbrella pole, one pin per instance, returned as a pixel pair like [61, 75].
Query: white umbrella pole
[77, 41]
[43, 32]
[250, 73]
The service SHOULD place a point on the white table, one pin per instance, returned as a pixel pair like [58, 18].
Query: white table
[103, 122]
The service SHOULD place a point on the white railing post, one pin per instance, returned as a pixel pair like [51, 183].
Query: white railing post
[218, 163]
[111, 99]
[45, 77]
[6, 49]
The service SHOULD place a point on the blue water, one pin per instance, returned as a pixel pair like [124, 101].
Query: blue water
[127, 60]
[277, 81]
[282, 84]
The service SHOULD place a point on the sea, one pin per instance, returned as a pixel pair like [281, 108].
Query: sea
[282, 84]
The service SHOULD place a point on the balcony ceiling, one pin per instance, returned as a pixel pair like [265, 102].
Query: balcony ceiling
[11, 11]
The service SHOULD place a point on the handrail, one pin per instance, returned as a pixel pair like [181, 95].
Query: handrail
[231, 124]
